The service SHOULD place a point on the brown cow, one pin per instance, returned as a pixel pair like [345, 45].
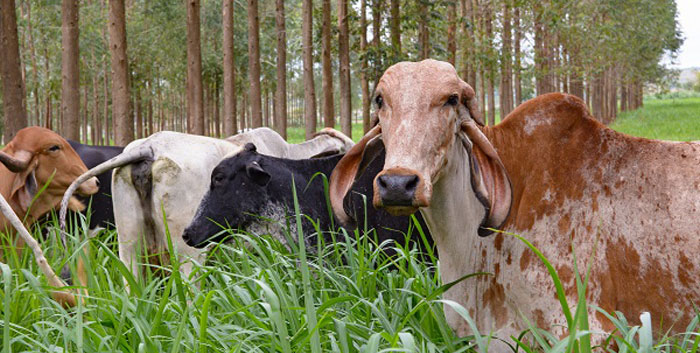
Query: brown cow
[33, 157]
[629, 205]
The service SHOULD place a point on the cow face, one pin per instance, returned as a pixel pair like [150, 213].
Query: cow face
[238, 192]
[37, 156]
[424, 111]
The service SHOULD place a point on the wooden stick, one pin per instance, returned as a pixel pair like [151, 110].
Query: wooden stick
[64, 298]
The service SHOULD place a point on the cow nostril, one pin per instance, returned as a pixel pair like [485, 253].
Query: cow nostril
[186, 237]
[412, 183]
[382, 182]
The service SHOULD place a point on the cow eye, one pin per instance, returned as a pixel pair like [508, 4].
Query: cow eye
[217, 179]
[379, 101]
[54, 148]
[452, 100]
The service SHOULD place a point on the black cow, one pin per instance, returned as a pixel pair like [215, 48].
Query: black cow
[101, 214]
[249, 186]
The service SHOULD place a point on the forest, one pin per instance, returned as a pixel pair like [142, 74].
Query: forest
[108, 72]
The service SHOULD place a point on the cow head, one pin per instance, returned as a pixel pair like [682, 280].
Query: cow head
[422, 111]
[35, 156]
[238, 191]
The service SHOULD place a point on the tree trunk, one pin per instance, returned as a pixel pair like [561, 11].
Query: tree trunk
[229, 71]
[280, 92]
[254, 64]
[327, 79]
[516, 50]
[195, 90]
[491, 74]
[377, 69]
[121, 105]
[86, 113]
[451, 32]
[307, 53]
[364, 83]
[70, 70]
[217, 114]
[423, 31]
[344, 68]
[12, 84]
[138, 104]
[394, 28]
[506, 86]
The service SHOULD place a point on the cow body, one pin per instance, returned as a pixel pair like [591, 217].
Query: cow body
[249, 185]
[101, 211]
[551, 173]
[159, 181]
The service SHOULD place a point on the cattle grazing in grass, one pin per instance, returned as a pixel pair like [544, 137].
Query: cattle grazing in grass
[551, 173]
[159, 181]
[36, 159]
[253, 192]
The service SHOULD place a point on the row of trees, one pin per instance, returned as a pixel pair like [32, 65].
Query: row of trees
[128, 68]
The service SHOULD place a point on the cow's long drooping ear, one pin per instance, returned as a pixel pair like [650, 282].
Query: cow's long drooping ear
[470, 101]
[24, 187]
[347, 170]
[489, 178]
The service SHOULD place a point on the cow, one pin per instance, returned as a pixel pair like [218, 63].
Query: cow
[250, 189]
[101, 213]
[39, 158]
[551, 173]
[159, 181]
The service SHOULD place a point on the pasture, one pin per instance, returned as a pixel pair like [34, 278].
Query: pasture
[256, 295]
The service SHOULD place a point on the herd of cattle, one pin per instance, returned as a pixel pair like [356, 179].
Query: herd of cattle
[580, 192]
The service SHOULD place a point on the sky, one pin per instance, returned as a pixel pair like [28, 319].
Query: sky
[688, 12]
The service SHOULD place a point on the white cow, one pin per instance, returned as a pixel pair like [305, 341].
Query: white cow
[159, 181]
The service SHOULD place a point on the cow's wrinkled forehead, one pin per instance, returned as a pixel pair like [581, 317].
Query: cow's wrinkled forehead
[428, 79]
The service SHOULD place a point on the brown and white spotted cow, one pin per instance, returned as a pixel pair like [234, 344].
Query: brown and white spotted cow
[629, 205]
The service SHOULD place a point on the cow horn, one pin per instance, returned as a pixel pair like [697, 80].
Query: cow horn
[138, 154]
[16, 165]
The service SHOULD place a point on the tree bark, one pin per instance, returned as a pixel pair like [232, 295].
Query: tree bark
[12, 84]
[254, 64]
[394, 28]
[516, 50]
[491, 74]
[364, 83]
[121, 105]
[423, 31]
[451, 32]
[344, 68]
[195, 90]
[308, 59]
[506, 87]
[377, 69]
[280, 91]
[70, 70]
[229, 71]
[327, 79]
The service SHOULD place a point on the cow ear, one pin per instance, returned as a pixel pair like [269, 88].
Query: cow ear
[250, 147]
[257, 174]
[24, 188]
[489, 178]
[349, 168]
[469, 100]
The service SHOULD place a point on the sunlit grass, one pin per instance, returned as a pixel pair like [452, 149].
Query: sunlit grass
[667, 119]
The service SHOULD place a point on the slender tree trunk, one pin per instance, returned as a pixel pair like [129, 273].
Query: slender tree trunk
[35, 70]
[451, 32]
[280, 91]
[394, 28]
[229, 71]
[12, 85]
[138, 104]
[217, 113]
[254, 63]
[377, 39]
[344, 68]
[149, 114]
[491, 74]
[195, 89]
[70, 70]
[423, 31]
[85, 129]
[121, 105]
[516, 49]
[105, 93]
[327, 79]
[506, 87]
[307, 53]
[364, 83]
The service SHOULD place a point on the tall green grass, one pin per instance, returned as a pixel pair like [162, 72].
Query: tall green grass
[663, 119]
[258, 295]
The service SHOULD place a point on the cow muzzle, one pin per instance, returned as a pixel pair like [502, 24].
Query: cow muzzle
[399, 191]
[89, 187]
